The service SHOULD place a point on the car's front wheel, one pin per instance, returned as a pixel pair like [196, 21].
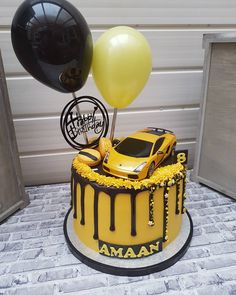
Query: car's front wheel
[173, 149]
[151, 170]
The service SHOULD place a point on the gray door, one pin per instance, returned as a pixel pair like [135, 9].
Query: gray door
[12, 194]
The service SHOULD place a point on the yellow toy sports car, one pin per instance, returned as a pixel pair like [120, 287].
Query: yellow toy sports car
[138, 155]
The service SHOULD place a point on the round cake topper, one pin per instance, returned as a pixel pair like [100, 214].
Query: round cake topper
[84, 121]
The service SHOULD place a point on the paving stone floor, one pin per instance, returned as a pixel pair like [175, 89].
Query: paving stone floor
[34, 258]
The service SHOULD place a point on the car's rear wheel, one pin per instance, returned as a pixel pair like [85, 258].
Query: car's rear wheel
[151, 170]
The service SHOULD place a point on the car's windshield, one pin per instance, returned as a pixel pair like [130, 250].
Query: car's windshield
[134, 147]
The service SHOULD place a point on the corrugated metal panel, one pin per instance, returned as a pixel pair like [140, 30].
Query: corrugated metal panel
[171, 48]
[105, 12]
[26, 93]
[43, 134]
[170, 99]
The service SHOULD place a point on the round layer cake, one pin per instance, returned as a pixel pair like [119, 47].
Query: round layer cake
[127, 219]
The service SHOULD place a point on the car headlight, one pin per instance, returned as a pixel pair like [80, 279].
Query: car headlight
[106, 157]
[140, 167]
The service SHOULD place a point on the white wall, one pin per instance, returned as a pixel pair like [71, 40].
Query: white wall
[170, 98]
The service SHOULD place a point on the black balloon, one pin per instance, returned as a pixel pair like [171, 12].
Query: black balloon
[53, 43]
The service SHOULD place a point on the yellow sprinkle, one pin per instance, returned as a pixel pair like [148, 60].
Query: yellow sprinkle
[159, 177]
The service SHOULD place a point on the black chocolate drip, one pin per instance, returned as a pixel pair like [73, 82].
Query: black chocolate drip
[75, 198]
[82, 189]
[112, 212]
[151, 206]
[165, 213]
[71, 189]
[177, 211]
[112, 194]
[183, 195]
[95, 214]
[133, 214]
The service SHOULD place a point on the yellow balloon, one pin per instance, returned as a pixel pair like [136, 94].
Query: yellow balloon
[122, 63]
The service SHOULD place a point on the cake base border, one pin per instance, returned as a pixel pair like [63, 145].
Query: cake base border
[132, 270]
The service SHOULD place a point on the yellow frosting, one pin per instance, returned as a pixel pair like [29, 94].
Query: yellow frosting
[160, 175]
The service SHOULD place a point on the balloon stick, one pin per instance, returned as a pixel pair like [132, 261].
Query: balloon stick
[113, 124]
[79, 113]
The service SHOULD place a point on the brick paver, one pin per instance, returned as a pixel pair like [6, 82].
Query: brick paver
[34, 258]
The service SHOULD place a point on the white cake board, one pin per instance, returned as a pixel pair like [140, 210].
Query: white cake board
[130, 267]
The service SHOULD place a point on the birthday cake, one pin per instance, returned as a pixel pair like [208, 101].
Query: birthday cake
[130, 216]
